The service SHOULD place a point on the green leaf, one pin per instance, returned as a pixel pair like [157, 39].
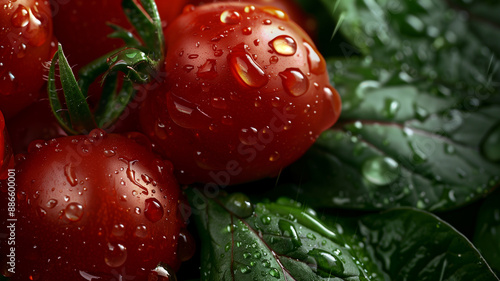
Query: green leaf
[410, 244]
[277, 241]
[284, 240]
[78, 118]
[487, 235]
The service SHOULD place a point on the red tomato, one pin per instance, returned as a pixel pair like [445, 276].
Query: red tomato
[98, 205]
[26, 45]
[5, 150]
[246, 94]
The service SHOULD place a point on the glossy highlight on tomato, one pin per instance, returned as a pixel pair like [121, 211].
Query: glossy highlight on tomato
[27, 44]
[95, 207]
[246, 94]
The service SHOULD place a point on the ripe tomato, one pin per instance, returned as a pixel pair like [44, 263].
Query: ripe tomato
[5, 149]
[246, 94]
[26, 45]
[101, 205]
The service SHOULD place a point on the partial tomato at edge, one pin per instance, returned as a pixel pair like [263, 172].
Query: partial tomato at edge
[246, 94]
[6, 158]
[100, 205]
[27, 44]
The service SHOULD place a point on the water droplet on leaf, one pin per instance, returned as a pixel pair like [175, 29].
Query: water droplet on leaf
[381, 170]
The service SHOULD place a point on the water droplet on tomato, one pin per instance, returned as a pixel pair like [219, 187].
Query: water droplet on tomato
[118, 230]
[20, 17]
[185, 113]
[69, 172]
[73, 212]
[248, 136]
[208, 70]
[284, 45]
[247, 31]
[273, 60]
[109, 153]
[317, 64]
[230, 17]
[186, 245]
[51, 203]
[153, 210]
[491, 145]
[275, 156]
[279, 14]
[41, 212]
[267, 22]
[245, 68]
[249, 9]
[141, 231]
[116, 255]
[381, 170]
[218, 53]
[219, 103]
[294, 82]
[188, 68]
[137, 210]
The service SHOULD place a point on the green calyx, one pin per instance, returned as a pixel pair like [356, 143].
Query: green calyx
[138, 61]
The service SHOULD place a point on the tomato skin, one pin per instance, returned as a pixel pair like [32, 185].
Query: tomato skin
[242, 99]
[96, 205]
[27, 44]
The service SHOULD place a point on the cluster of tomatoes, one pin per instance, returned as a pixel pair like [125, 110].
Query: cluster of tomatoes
[240, 93]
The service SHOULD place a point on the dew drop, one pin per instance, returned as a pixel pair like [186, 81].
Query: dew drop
[391, 108]
[51, 203]
[245, 68]
[279, 14]
[327, 264]
[109, 153]
[186, 245]
[317, 64]
[265, 219]
[188, 67]
[294, 82]
[380, 170]
[249, 9]
[219, 103]
[239, 204]
[248, 136]
[116, 255]
[421, 113]
[247, 31]
[284, 45]
[288, 230]
[491, 145]
[41, 212]
[73, 212]
[230, 17]
[185, 113]
[141, 231]
[274, 273]
[208, 70]
[275, 156]
[20, 17]
[153, 210]
[118, 230]
[69, 172]
[267, 22]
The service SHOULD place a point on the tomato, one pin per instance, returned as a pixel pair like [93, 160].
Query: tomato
[246, 94]
[5, 149]
[27, 44]
[101, 205]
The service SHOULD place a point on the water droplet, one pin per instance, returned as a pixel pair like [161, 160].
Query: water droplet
[419, 156]
[265, 219]
[185, 113]
[247, 31]
[248, 136]
[275, 156]
[186, 246]
[188, 67]
[51, 203]
[73, 212]
[317, 64]
[267, 22]
[69, 172]
[328, 265]
[391, 108]
[41, 212]
[239, 204]
[141, 231]
[449, 149]
[20, 17]
[273, 60]
[245, 68]
[230, 17]
[109, 153]
[491, 145]
[118, 230]
[274, 273]
[244, 269]
[249, 9]
[116, 255]
[208, 70]
[279, 14]
[288, 230]
[421, 113]
[294, 82]
[153, 210]
[381, 170]
[284, 45]
[193, 56]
